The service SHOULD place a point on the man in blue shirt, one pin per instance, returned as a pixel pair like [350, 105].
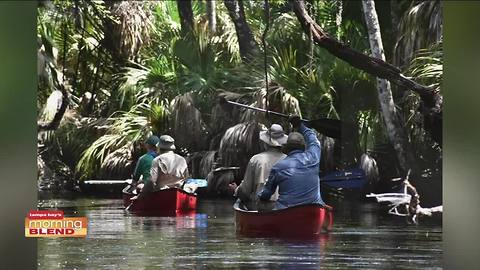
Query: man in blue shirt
[297, 175]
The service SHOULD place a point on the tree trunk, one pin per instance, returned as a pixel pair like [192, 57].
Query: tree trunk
[431, 98]
[246, 42]
[186, 15]
[338, 17]
[212, 16]
[395, 129]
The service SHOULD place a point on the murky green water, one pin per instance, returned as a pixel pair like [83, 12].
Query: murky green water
[362, 239]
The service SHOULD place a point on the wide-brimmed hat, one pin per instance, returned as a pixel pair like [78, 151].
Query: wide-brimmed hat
[295, 141]
[166, 143]
[274, 136]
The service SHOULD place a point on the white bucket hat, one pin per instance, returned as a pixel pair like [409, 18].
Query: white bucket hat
[274, 136]
[166, 143]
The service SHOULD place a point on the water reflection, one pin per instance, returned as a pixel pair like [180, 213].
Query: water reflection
[150, 223]
[362, 239]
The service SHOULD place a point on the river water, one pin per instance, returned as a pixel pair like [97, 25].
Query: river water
[363, 238]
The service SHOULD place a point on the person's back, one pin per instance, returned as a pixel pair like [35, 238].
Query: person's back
[141, 178]
[259, 167]
[172, 163]
[141, 173]
[256, 175]
[168, 168]
[142, 169]
[297, 176]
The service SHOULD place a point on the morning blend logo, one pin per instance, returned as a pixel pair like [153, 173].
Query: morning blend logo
[47, 223]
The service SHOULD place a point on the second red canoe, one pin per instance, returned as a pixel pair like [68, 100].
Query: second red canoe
[172, 200]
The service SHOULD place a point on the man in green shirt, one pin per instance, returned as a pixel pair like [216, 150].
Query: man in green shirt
[141, 174]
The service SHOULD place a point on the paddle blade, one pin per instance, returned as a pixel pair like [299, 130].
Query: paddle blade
[326, 126]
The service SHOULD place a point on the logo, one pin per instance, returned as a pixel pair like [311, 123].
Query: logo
[46, 223]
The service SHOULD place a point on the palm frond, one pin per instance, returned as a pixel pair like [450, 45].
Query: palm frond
[420, 27]
[239, 143]
[124, 129]
[132, 30]
[118, 163]
[189, 129]
[327, 15]
[129, 82]
[207, 163]
[227, 37]
[201, 163]
[197, 56]
[427, 65]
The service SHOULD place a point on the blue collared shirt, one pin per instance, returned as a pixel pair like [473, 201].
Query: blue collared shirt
[297, 175]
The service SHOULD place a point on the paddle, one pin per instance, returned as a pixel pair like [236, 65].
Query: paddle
[327, 126]
[129, 206]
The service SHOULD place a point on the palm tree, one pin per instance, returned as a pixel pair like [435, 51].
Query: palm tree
[129, 30]
[212, 16]
[186, 15]
[246, 41]
[130, 77]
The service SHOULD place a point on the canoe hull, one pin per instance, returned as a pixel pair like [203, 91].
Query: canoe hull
[172, 200]
[304, 220]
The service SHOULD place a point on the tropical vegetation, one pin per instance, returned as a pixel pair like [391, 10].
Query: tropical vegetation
[111, 73]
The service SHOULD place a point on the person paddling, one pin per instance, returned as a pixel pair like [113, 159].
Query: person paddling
[258, 169]
[141, 174]
[297, 175]
[168, 169]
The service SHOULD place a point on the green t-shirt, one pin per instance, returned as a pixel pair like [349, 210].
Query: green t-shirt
[144, 164]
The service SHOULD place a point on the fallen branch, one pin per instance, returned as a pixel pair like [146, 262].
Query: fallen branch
[429, 211]
[406, 203]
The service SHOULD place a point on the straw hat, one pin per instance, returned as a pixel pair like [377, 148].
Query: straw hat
[274, 136]
[166, 143]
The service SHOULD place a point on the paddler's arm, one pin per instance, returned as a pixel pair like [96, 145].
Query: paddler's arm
[270, 186]
[313, 147]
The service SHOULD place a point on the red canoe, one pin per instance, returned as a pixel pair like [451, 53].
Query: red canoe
[172, 200]
[302, 220]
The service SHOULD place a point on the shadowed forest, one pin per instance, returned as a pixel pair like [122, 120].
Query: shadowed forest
[112, 73]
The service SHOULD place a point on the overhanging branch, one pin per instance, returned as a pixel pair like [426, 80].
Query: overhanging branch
[374, 66]
[431, 98]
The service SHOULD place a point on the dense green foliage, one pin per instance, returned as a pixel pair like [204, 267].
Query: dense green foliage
[130, 72]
